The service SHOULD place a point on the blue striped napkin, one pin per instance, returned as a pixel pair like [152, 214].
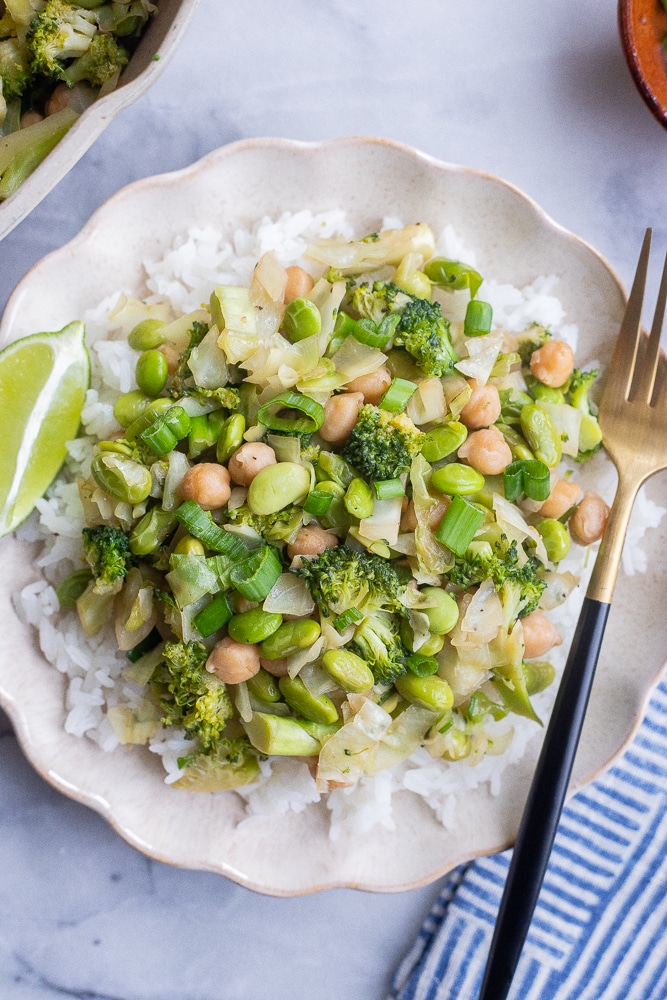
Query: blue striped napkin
[600, 927]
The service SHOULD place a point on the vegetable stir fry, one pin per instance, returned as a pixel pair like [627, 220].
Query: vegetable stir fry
[330, 522]
[56, 58]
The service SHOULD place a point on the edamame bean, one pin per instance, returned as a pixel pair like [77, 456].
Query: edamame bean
[189, 546]
[544, 393]
[517, 444]
[129, 406]
[151, 531]
[540, 432]
[298, 697]
[151, 372]
[146, 335]
[302, 319]
[277, 486]
[444, 615]
[430, 647]
[458, 745]
[538, 675]
[254, 625]
[442, 441]
[121, 478]
[290, 638]
[359, 499]
[348, 670]
[457, 478]
[556, 538]
[430, 692]
[230, 437]
[263, 687]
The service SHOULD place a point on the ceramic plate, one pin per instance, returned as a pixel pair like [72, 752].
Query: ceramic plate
[515, 241]
[157, 45]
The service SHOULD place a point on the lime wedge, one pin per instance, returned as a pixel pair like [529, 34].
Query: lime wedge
[43, 382]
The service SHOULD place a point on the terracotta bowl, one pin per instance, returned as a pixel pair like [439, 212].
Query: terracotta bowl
[643, 27]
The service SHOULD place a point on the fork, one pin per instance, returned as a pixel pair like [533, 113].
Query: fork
[633, 419]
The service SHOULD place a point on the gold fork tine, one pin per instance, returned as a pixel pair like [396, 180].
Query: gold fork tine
[622, 363]
[644, 382]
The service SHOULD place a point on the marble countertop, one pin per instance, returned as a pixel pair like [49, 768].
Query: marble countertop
[539, 96]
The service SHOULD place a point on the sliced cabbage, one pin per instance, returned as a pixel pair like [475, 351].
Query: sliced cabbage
[207, 362]
[432, 557]
[387, 247]
[567, 420]
[134, 724]
[384, 521]
[427, 404]
[482, 355]
[289, 596]
[371, 741]
[514, 525]
[353, 359]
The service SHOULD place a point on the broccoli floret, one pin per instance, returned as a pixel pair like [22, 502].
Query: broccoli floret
[342, 578]
[578, 395]
[103, 59]
[375, 301]
[376, 640]
[382, 444]
[14, 68]
[190, 696]
[424, 333]
[279, 527]
[530, 340]
[519, 585]
[62, 31]
[107, 551]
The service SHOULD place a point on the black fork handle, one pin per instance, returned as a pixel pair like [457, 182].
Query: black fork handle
[545, 803]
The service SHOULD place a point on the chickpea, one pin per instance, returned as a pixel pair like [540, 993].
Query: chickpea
[58, 100]
[340, 416]
[483, 407]
[207, 484]
[372, 386]
[311, 541]
[299, 283]
[487, 451]
[232, 661]
[278, 668]
[172, 356]
[565, 494]
[438, 512]
[539, 635]
[589, 519]
[409, 517]
[248, 460]
[31, 118]
[553, 363]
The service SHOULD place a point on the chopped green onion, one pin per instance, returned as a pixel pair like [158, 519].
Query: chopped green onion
[422, 666]
[214, 616]
[159, 438]
[529, 476]
[201, 525]
[388, 489]
[458, 526]
[178, 421]
[348, 617]
[256, 575]
[479, 316]
[397, 396]
[150, 642]
[311, 419]
[317, 502]
[374, 334]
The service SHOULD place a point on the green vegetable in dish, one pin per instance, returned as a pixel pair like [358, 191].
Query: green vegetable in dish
[382, 444]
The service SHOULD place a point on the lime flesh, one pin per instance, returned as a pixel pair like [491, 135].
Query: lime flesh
[43, 382]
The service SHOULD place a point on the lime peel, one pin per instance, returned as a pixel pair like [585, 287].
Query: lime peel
[43, 383]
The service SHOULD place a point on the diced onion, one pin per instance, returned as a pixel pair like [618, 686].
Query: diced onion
[384, 522]
[207, 362]
[428, 402]
[353, 359]
[289, 596]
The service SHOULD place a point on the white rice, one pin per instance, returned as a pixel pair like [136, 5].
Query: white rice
[179, 282]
